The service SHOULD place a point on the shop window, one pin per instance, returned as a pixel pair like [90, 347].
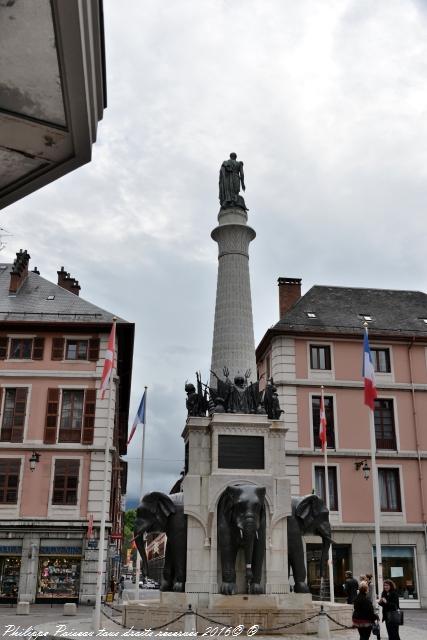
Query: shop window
[399, 565]
[59, 578]
[66, 482]
[384, 424]
[71, 419]
[319, 483]
[9, 480]
[320, 357]
[76, 349]
[14, 410]
[329, 412]
[381, 360]
[389, 481]
[9, 578]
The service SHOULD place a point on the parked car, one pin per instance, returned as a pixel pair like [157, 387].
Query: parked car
[148, 583]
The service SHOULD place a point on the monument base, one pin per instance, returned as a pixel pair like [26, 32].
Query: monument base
[267, 611]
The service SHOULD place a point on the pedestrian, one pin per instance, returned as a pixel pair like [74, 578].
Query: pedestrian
[389, 602]
[363, 614]
[370, 587]
[112, 586]
[350, 587]
[121, 587]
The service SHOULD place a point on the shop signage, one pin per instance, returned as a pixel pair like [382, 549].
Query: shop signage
[69, 551]
[92, 543]
[10, 549]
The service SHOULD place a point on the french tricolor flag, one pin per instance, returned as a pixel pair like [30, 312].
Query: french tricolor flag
[323, 424]
[368, 374]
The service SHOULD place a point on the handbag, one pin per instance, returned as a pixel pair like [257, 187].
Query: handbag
[376, 629]
[395, 617]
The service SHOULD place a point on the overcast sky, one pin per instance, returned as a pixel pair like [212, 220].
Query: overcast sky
[325, 102]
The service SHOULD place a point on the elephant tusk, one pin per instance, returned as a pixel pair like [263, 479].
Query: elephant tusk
[256, 534]
[248, 566]
[241, 534]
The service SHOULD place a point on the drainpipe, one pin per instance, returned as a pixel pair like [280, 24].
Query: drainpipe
[420, 469]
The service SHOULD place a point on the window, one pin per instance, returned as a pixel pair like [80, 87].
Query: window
[70, 423]
[399, 564]
[329, 412]
[76, 350]
[26, 348]
[9, 480]
[66, 482]
[389, 482]
[319, 483]
[320, 357]
[384, 424]
[311, 314]
[381, 360]
[14, 409]
[21, 348]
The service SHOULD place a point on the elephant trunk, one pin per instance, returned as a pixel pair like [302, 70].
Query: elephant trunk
[249, 532]
[140, 545]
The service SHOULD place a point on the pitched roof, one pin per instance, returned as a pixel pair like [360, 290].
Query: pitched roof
[341, 310]
[31, 302]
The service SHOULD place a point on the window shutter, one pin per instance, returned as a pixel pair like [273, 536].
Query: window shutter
[58, 348]
[19, 414]
[89, 416]
[3, 347]
[94, 349]
[52, 410]
[38, 348]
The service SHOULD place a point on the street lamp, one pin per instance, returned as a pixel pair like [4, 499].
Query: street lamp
[365, 468]
[35, 457]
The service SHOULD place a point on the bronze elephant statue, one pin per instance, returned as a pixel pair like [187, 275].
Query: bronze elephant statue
[156, 513]
[309, 515]
[241, 524]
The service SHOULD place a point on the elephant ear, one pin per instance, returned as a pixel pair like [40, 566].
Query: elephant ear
[260, 492]
[228, 499]
[309, 510]
[159, 504]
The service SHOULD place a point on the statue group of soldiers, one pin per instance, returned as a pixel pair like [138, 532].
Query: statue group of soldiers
[238, 396]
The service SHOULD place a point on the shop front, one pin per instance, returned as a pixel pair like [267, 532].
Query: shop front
[341, 557]
[399, 565]
[59, 573]
[10, 567]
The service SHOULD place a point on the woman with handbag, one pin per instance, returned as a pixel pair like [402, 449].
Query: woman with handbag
[363, 614]
[389, 601]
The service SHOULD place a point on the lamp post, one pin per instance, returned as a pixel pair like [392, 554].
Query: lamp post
[365, 468]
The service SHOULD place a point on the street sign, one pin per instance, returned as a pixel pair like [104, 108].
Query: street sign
[92, 543]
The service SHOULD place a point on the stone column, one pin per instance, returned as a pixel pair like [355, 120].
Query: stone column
[233, 339]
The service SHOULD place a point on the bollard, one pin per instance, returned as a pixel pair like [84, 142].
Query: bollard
[189, 620]
[23, 608]
[70, 609]
[323, 631]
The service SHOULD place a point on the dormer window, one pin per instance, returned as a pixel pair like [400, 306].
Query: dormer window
[366, 317]
[311, 314]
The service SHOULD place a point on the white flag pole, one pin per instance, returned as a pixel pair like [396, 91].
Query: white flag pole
[330, 556]
[97, 611]
[141, 485]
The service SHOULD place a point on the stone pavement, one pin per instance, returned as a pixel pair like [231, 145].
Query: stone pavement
[52, 624]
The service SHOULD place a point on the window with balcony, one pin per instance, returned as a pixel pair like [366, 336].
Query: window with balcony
[320, 357]
[381, 360]
[330, 429]
[389, 482]
[71, 418]
[384, 424]
[319, 484]
[14, 411]
[76, 350]
[9, 480]
[66, 482]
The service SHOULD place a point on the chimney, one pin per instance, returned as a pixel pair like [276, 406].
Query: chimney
[67, 282]
[19, 271]
[289, 293]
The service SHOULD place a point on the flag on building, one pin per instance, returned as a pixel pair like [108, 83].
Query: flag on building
[109, 361]
[90, 526]
[368, 374]
[140, 416]
[322, 430]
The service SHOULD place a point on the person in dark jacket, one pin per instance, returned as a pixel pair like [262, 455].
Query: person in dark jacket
[363, 615]
[350, 587]
[389, 601]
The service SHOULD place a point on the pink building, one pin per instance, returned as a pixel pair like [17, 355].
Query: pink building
[53, 426]
[318, 341]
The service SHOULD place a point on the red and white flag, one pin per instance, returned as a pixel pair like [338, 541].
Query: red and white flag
[90, 526]
[109, 361]
[323, 423]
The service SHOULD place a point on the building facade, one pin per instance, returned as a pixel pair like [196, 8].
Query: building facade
[317, 342]
[53, 426]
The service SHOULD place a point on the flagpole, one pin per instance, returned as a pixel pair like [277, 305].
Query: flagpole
[375, 484]
[141, 484]
[330, 556]
[97, 611]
